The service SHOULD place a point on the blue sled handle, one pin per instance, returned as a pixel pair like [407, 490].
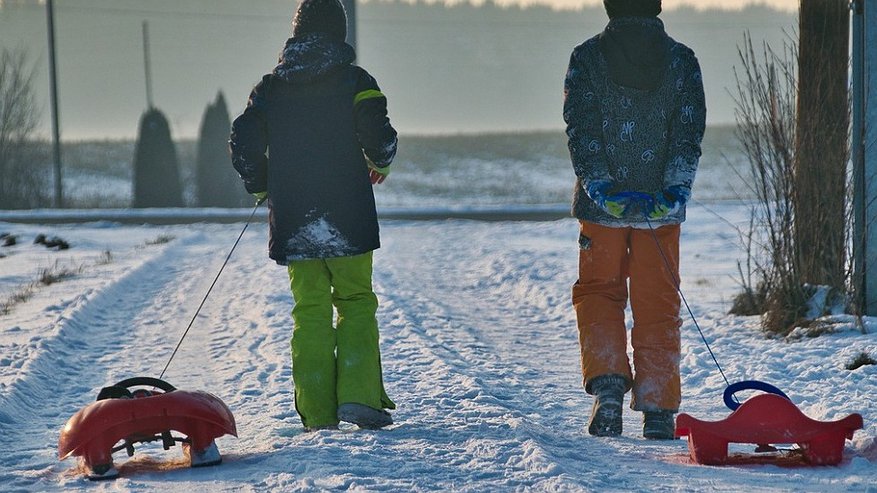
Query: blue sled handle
[642, 200]
[636, 196]
[748, 385]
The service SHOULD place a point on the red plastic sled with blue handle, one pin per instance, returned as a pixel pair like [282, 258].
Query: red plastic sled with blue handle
[769, 418]
[121, 415]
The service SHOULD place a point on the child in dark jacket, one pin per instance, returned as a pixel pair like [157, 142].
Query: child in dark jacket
[635, 113]
[314, 138]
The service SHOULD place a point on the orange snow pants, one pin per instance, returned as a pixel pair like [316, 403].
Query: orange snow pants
[609, 258]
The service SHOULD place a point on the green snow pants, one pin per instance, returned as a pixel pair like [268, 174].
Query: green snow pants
[334, 365]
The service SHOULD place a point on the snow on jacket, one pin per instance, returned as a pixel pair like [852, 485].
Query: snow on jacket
[304, 137]
[635, 114]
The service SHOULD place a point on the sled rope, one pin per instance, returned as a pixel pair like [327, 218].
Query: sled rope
[678, 284]
[191, 322]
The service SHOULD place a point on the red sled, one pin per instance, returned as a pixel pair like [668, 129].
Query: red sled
[767, 419]
[128, 417]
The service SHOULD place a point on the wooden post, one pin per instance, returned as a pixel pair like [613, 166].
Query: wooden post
[864, 154]
[147, 65]
[822, 142]
[53, 89]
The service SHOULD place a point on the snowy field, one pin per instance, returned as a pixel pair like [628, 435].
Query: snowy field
[479, 349]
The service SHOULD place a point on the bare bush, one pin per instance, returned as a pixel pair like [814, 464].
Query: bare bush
[797, 235]
[766, 129]
[766, 99]
[24, 175]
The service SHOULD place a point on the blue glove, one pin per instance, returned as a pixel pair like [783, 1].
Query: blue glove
[617, 203]
[669, 201]
[603, 194]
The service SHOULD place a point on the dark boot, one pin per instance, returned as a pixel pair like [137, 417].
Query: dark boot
[364, 416]
[608, 393]
[659, 425]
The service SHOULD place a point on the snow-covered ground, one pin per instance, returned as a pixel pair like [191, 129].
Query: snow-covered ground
[479, 349]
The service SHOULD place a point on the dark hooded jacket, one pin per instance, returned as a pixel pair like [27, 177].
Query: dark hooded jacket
[635, 114]
[304, 138]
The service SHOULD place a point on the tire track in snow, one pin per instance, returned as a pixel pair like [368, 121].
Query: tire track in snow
[465, 357]
[241, 344]
[530, 322]
[503, 326]
[495, 355]
[530, 326]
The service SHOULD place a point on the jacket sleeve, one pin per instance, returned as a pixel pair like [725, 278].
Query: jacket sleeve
[687, 124]
[584, 125]
[373, 129]
[249, 142]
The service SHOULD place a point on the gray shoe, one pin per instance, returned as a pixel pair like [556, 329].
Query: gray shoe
[319, 428]
[659, 425]
[364, 416]
[608, 393]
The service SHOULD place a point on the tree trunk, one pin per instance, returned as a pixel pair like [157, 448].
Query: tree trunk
[822, 148]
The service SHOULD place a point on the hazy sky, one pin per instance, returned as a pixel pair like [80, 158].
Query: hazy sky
[667, 4]
[448, 70]
[789, 5]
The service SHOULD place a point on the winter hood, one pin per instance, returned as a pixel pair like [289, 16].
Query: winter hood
[310, 56]
[637, 51]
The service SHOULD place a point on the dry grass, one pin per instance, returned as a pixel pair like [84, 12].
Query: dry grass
[51, 275]
[161, 240]
[105, 258]
[19, 296]
[46, 276]
[750, 301]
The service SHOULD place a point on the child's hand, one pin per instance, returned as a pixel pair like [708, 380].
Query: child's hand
[376, 176]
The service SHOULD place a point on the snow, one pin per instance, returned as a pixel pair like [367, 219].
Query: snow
[480, 354]
[320, 236]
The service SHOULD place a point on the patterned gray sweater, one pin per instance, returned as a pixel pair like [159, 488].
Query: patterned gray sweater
[642, 140]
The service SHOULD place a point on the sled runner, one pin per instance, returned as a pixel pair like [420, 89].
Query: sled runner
[126, 416]
[765, 419]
